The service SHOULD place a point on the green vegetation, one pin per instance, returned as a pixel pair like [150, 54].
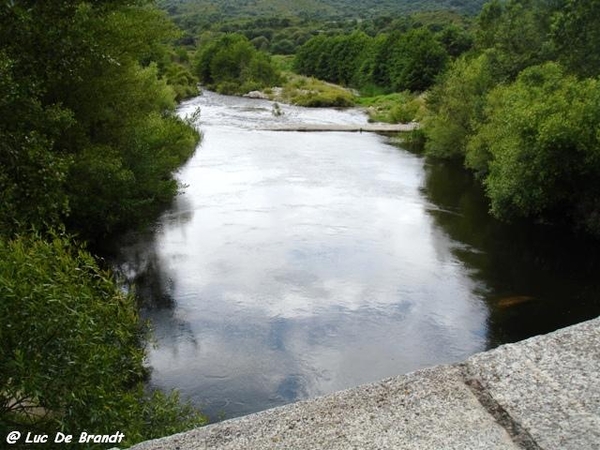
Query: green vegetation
[88, 136]
[88, 143]
[305, 91]
[400, 107]
[70, 352]
[230, 64]
[522, 111]
[399, 64]
[389, 62]
[541, 140]
[199, 13]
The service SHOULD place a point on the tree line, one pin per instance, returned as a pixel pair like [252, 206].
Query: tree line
[522, 111]
[88, 144]
[193, 15]
[393, 62]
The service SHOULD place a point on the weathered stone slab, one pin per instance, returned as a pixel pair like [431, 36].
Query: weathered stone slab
[429, 409]
[548, 384]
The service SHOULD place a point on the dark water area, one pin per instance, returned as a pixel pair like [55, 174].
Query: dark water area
[537, 278]
[297, 264]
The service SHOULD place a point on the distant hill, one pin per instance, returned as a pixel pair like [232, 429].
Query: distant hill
[312, 9]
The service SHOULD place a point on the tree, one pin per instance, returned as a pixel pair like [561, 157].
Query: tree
[543, 137]
[232, 65]
[456, 40]
[78, 95]
[311, 58]
[416, 60]
[576, 34]
[515, 34]
[88, 139]
[523, 124]
[283, 47]
[70, 353]
[456, 105]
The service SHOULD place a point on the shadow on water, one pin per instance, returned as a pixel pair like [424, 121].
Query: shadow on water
[534, 278]
[143, 273]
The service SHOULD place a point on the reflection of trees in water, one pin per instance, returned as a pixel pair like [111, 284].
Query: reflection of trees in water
[534, 278]
[140, 265]
[152, 285]
[144, 273]
[154, 289]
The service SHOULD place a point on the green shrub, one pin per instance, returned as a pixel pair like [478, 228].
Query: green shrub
[230, 64]
[542, 143]
[71, 354]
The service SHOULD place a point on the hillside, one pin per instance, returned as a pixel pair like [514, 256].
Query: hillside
[210, 10]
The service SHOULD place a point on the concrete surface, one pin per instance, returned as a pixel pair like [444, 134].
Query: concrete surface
[374, 127]
[542, 393]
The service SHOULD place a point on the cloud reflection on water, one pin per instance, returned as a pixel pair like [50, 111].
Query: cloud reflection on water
[303, 263]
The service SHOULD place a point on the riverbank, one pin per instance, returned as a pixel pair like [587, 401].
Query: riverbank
[543, 392]
[300, 90]
[395, 108]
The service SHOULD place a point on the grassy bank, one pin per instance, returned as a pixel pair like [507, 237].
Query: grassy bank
[306, 91]
[400, 107]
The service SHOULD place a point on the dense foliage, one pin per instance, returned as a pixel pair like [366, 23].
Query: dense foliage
[70, 354]
[88, 136]
[396, 61]
[199, 12]
[523, 110]
[230, 64]
[88, 143]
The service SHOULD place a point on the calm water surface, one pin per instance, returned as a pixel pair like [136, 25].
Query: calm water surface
[296, 264]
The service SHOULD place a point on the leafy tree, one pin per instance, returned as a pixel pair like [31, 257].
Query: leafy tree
[311, 58]
[456, 106]
[515, 34]
[75, 96]
[283, 47]
[398, 61]
[31, 177]
[456, 40]
[261, 43]
[70, 353]
[416, 60]
[576, 34]
[542, 135]
[181, 80]
[526, 125]
[373, 69]
[88, 139]
[231, 64]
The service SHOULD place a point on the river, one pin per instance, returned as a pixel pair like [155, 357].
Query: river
[295, 264]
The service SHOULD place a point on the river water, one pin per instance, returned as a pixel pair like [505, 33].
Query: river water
[296, 264]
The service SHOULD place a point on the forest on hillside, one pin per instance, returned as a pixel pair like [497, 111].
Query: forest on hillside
[193, 14]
